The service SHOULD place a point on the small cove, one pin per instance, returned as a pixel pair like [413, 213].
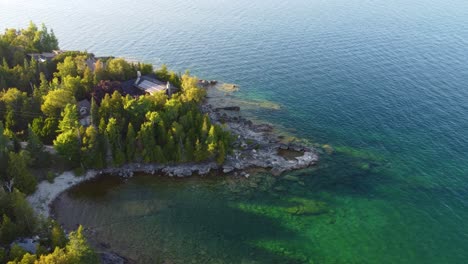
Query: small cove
[382, 82]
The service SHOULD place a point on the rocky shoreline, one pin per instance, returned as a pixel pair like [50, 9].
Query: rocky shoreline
[265, 156]
[255, 146]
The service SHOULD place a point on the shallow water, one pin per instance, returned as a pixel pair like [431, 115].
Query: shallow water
[383, 82]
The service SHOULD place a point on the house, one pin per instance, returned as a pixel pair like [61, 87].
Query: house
[84, 109]
[28, 244]
[91, 63]
[45, 56]
[42, 57]
[151, 85]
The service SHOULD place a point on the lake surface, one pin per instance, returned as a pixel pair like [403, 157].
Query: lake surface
[385, 83]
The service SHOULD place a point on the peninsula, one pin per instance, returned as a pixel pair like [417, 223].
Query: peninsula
[68, 116]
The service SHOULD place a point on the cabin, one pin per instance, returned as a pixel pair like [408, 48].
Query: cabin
[45, 56]
[84, 109]
[42, 57]
[27, 244]
[151, 85]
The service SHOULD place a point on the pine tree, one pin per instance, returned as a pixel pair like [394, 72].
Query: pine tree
[3, 140]
[130, 143]
[148, 141]
[35, 147]
[200, 152]
[93, 154]
[115, 141]
[94, 112]
[189, 150]
[205, 127]
[170, 151]
[18, 171]
[88, 80]
[67, 145]
[103, 141]
[57, 236]
[10, 120]
[7, 230]
[49, 130]
[79, 248]
[99, 72]
[159, 155]
[69, 118]
[211, 141]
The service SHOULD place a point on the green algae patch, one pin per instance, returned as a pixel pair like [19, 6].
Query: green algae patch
[328, 149]
[243, 187]
[306, 207]
[228, 87]
[278, 213]
[283, 249]
[291, 178]
[294, 213]
[262, 104]
[360, 154]
[365, 166]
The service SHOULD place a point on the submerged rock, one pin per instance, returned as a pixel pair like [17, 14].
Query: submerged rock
[112, 258]
[307, 207]
[227, 169]
[229, 108]
[280, 188]
[291, 178]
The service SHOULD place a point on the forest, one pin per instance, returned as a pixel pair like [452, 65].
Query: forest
[41, 132]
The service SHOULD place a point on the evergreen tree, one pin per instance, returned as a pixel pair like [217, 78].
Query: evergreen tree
[67, 145]
[102, 140]
[57, 236]
[205, 127]
[130, 143]
[67, 68]
[170, 150]
[43, 88]
[163, 73]
[88, 80]
[74, 86]
[7, 230]
[79, 248]
[35, 147]
[211, 141]
[94, 112]
[99, 72]
[69, 118]
[3, 143]
[19, 173]
[49, 129]
[115, 141]
[22, 213]
[148, 142]
[189, 150]
[159, 155]
[55, 101]
[200, 152]
[93, 154]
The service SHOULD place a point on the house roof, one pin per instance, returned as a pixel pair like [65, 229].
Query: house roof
[91, 63]
[28, 244]
[42, 57]
[150, 85]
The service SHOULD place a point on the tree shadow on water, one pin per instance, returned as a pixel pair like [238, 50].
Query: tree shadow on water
[235, 232]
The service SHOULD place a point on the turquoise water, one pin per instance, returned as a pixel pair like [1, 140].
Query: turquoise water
[383, 82]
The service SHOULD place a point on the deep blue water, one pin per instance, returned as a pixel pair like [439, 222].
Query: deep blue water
[383, 82]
